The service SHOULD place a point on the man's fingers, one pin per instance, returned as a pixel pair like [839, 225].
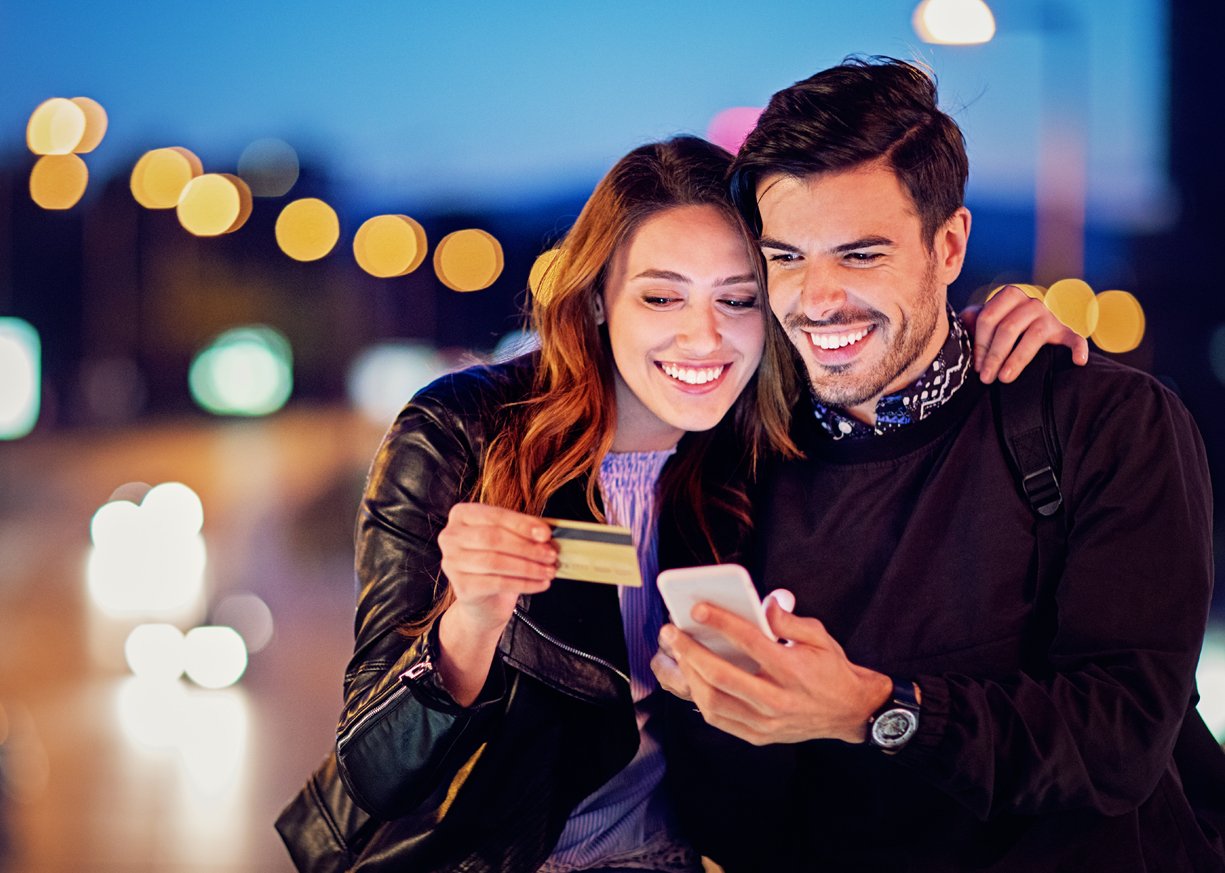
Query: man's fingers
[671, 677]
[743, 634]
[706, 672]
[808, 631]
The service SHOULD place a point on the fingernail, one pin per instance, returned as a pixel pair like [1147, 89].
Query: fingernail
[542, 534]
[667, 633]
[701, 612]
[1006, 374]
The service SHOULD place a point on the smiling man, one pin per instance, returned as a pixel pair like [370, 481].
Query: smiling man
[982, 675]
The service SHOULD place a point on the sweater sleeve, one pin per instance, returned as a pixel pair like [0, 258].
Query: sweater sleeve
[401, 736]
[1095, 727]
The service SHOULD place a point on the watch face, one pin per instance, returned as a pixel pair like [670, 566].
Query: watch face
[894, 727]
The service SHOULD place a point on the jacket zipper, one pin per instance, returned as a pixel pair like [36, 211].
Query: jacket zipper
[393, 695]
[568, 648]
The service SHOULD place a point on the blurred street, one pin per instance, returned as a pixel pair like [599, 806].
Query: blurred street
[105, 772]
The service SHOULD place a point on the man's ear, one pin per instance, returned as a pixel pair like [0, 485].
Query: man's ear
[599, 308]
[949, 246]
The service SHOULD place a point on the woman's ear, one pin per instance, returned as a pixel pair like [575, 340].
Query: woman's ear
[599, 309]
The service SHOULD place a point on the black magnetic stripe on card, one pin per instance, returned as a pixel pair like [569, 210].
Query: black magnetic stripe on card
[593, 536]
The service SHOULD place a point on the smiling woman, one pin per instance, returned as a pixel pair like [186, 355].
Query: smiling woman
[650, 335]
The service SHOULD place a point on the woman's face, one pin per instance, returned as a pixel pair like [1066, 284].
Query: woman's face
[686, 324]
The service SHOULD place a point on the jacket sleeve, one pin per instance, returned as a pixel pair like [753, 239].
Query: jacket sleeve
[401, 736]
[1095, 728]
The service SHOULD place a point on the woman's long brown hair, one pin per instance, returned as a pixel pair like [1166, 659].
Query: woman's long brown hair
[564, 428]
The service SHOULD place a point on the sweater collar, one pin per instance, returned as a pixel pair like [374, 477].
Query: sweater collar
[934, 387]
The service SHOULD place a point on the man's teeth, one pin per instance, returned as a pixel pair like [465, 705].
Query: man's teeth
[693, 375]
[830, 341]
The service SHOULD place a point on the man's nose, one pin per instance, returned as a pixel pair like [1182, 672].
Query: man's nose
[822, 293]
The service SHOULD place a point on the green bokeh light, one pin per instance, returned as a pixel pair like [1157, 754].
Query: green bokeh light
[21, 383]
[246, 371]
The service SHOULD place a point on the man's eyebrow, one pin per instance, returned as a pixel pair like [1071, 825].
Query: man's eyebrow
[866, 242]
[672, 276]
[769, 242]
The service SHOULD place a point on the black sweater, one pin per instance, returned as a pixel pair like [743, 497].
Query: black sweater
[1050, 705]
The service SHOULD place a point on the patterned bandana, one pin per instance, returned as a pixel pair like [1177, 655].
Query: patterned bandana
[920, 399]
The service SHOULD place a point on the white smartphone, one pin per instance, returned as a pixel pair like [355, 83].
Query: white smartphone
[725, 585]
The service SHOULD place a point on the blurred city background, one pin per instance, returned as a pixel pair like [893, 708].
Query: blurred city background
[295, 216]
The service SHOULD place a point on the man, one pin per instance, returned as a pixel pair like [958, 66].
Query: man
[948, 701]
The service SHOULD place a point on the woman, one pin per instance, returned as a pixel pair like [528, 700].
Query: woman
[498, 721]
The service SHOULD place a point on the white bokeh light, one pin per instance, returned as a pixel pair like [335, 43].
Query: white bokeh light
[216, 657]
[155, 652]
[148, 559]
[384, 377]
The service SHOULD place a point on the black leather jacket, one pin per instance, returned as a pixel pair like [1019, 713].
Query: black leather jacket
[487, 787]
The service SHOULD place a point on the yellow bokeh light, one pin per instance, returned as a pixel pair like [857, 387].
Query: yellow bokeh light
[95, 124]
[307, 229]
[58, 181]
[387, 246]
[542, 280]
[55, 127]
[1120, 324]
[468, 260]
[1075, 304]
[159, 177]
[214, 204]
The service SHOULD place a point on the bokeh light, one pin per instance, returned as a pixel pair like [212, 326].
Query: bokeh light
[954, 22]
[214, 204]
[1120, 323]
[731, 127]
[95, 124]
[383, 377]
[269, 166]
[148, 558]
[215, 656]
[542, 278]
[58, 181]
[1074, 303]
[21, 387]
[245, 371]
[388, 246]
[159, 177]
[250, 616]
[307, 229]
[155, 652]
[468, 260]
[56, 127]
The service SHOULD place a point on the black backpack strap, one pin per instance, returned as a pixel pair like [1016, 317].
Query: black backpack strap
[1024, 411]
[1027, 426]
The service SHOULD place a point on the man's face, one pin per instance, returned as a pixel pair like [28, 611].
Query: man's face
[858, 289]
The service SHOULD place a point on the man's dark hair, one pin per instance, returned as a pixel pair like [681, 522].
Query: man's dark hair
[865, 109]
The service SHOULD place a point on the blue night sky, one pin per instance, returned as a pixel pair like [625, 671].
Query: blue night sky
[478, 104]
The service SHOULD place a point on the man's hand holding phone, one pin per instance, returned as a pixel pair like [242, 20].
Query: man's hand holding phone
[805, 690]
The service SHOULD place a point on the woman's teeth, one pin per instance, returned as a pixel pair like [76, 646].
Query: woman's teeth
[829, 341]
[693, 375]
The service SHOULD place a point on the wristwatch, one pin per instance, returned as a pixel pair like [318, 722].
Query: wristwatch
[893, 725]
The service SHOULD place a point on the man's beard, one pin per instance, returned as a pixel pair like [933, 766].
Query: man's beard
[840, 385]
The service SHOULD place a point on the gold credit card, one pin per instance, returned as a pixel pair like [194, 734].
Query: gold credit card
[595, 553]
